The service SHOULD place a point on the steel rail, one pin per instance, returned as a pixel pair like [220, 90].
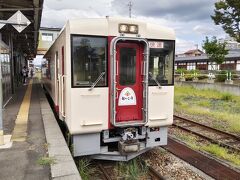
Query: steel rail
[151, 172]
[223, 135]
[206, 164]
[107, 177]
[154, 173]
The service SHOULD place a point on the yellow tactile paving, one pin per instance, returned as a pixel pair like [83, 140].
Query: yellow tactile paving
[20, 129]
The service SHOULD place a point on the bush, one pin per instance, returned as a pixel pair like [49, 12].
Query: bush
[191, 74]
[235, 76]
[188, 77]
[181, 70]
[201, 77]
[221, 76]
[227, 97]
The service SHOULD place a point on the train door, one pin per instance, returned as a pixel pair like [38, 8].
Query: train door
[129, 79]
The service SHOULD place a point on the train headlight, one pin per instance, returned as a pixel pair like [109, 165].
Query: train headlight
[133, 29]
[128, 28]
[123, 28]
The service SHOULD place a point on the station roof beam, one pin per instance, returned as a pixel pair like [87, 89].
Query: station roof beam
[27, 40]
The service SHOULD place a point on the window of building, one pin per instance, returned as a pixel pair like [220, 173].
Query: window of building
[201, 62]
[191, 66]
[88, 60]
[161, 62]
[47, 36]
[182, 64]
[238, 66]
[213, 66]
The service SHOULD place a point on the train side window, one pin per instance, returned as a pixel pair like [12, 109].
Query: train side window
[161, 62]
[88, 60]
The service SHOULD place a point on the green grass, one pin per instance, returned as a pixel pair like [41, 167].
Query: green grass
[85, 169]
[223, 108]
[227, 97]
[189, 140]
[222, 153]
[46, 161]
[213, 149]
[131, 170]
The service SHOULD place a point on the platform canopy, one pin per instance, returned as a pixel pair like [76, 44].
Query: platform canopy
[25, 42]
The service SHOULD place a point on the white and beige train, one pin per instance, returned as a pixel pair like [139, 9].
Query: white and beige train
[111, 81]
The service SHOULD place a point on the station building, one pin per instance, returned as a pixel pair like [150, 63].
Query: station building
[198, 60]
[46, 38]
[16, 49]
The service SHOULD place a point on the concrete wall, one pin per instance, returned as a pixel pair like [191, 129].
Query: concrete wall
[233, 89]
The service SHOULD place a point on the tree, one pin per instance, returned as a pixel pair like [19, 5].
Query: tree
[227, 14]
[215, 50]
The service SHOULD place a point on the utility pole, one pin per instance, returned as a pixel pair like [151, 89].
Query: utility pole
[130, 8]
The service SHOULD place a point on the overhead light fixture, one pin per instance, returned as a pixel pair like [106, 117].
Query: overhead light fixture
[128, 28]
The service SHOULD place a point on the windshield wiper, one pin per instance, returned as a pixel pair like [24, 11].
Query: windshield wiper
[97, 80]
[156, 81]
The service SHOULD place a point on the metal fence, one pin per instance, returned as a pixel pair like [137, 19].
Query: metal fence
[218, 76]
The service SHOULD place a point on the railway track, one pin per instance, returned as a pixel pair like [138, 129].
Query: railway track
[202, 162]
[154, 174]
[105, 167]
[224, 139]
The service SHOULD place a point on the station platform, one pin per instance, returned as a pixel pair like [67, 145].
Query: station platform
[34, 147]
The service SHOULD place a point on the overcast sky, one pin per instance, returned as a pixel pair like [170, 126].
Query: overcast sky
[189, 18]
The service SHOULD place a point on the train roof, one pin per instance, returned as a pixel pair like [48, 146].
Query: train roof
[109, 27]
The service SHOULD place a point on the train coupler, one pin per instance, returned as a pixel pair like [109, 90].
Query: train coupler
[126, 147]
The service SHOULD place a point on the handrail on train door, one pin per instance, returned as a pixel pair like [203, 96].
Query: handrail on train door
[62, 111]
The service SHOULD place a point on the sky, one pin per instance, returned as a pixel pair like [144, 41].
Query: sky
[189, 18]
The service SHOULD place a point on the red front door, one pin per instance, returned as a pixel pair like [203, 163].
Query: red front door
[129, 99]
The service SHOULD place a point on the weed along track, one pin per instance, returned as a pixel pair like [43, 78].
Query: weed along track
[223, 139]
[135, 169]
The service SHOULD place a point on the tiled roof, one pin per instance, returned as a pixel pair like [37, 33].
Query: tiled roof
[231, 56]
[193, 51]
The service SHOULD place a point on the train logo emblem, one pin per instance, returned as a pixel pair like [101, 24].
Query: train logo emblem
[127, 97]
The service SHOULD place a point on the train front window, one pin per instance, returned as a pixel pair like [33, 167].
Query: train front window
[161, 62]
[88, 60]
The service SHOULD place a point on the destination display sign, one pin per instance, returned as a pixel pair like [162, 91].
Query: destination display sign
[156, 44]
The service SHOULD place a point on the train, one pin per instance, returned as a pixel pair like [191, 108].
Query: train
[111, 82]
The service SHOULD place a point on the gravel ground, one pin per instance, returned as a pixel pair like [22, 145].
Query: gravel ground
[172, 167]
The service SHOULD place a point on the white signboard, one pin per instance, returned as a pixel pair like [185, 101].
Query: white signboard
[127, 97]
[19, 21]
[155, 44]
